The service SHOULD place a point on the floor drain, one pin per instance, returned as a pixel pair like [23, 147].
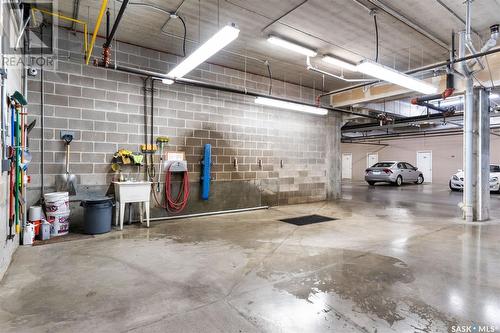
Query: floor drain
[308, 219]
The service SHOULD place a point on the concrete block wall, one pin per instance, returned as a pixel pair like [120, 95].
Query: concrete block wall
[105, 108]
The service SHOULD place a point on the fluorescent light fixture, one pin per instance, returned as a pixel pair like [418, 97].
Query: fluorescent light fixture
[216, 43]
[291, 46]
[340, 63]
[384, 73]
[290, 106]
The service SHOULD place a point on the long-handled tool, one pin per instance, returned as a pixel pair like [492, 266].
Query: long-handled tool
[67, 181]
[12, 156]
[161, 141]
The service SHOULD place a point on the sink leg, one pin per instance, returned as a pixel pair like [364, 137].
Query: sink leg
[147, 213]
[141, 211]
[117, 212]
[122, 214]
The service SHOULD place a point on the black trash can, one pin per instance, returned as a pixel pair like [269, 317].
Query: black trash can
[97, 215]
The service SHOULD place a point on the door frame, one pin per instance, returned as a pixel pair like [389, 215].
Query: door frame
[368, 158]
[342, 166]
[425, 151]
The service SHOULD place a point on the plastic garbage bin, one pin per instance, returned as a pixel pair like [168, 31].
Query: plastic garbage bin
[97, 215]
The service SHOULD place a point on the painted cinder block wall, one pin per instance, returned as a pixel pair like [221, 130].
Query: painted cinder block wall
[105, 108]
[446, 154]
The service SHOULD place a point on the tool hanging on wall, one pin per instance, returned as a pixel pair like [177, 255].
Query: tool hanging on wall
[16, 103]
[206, 165]
[149, 150]
[67, 181]
[160, 141]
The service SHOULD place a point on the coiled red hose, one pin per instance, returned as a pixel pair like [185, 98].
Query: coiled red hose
[177, 205]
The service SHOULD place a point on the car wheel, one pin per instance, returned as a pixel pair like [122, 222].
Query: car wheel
[451, 187]
[371, 183]
[399, 181]
[420, 179]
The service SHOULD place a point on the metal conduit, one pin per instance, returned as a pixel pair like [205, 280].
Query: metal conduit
[201, 84]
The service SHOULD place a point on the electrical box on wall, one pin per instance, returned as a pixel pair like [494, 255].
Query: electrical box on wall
[175, 162]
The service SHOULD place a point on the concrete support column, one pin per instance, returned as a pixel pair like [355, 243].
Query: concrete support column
[333, 156]
[476, 156]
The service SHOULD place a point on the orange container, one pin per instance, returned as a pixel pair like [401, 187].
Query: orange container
[37, 225]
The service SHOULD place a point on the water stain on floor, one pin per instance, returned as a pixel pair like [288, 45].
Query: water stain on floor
[375, 284]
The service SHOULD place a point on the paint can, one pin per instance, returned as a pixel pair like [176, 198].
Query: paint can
[28, 234]
[57, 208]
[59, 224]
[56, 202]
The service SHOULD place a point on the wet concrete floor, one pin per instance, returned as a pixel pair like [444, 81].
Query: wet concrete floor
[396, 260]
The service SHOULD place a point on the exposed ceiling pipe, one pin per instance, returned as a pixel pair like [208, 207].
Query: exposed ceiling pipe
[401, 122]
[450, 88]
[418, 70]
[409, 23]
[76, 9]
[468, 39]
[201, 84]
[456, 15]
[116, 24]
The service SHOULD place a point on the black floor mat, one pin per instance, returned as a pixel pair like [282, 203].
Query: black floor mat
[308, 219]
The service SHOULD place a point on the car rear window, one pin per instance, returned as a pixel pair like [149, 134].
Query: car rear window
[383, 165]
[494, 168]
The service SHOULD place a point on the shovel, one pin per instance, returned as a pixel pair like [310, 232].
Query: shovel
[67, 182]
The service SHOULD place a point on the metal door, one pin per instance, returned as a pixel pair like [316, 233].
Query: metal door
[424, 164]
[347, 166]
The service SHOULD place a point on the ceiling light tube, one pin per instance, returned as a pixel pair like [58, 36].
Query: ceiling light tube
[290, 106]
[384, 73]
[340, 63]
[216, 43]
[291, 46]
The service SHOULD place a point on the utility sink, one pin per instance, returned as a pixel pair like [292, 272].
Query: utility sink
[130, 192]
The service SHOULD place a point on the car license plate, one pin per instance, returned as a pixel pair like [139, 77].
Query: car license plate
[376, 172]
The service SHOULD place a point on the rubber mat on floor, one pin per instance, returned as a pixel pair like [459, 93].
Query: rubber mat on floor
[308, 219]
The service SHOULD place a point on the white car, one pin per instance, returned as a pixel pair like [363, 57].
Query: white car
[457, 180]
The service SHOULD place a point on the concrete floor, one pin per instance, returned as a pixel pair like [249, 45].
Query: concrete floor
[397, 260]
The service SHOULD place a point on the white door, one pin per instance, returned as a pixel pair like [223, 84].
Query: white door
[371, 159]
[347, 166]
[424, 164]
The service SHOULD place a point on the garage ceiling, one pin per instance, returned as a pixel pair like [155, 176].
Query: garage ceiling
[339, 27]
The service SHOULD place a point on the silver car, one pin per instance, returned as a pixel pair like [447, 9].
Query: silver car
[393, 172]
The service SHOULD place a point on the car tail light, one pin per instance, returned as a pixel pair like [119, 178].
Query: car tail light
[367, 170]
[387, 171]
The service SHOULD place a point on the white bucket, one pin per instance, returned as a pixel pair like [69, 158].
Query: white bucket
[56, 203]
[57, 208]
[59, 224]
[35, 213]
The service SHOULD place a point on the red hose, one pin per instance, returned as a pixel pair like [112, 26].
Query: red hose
[177, 205]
